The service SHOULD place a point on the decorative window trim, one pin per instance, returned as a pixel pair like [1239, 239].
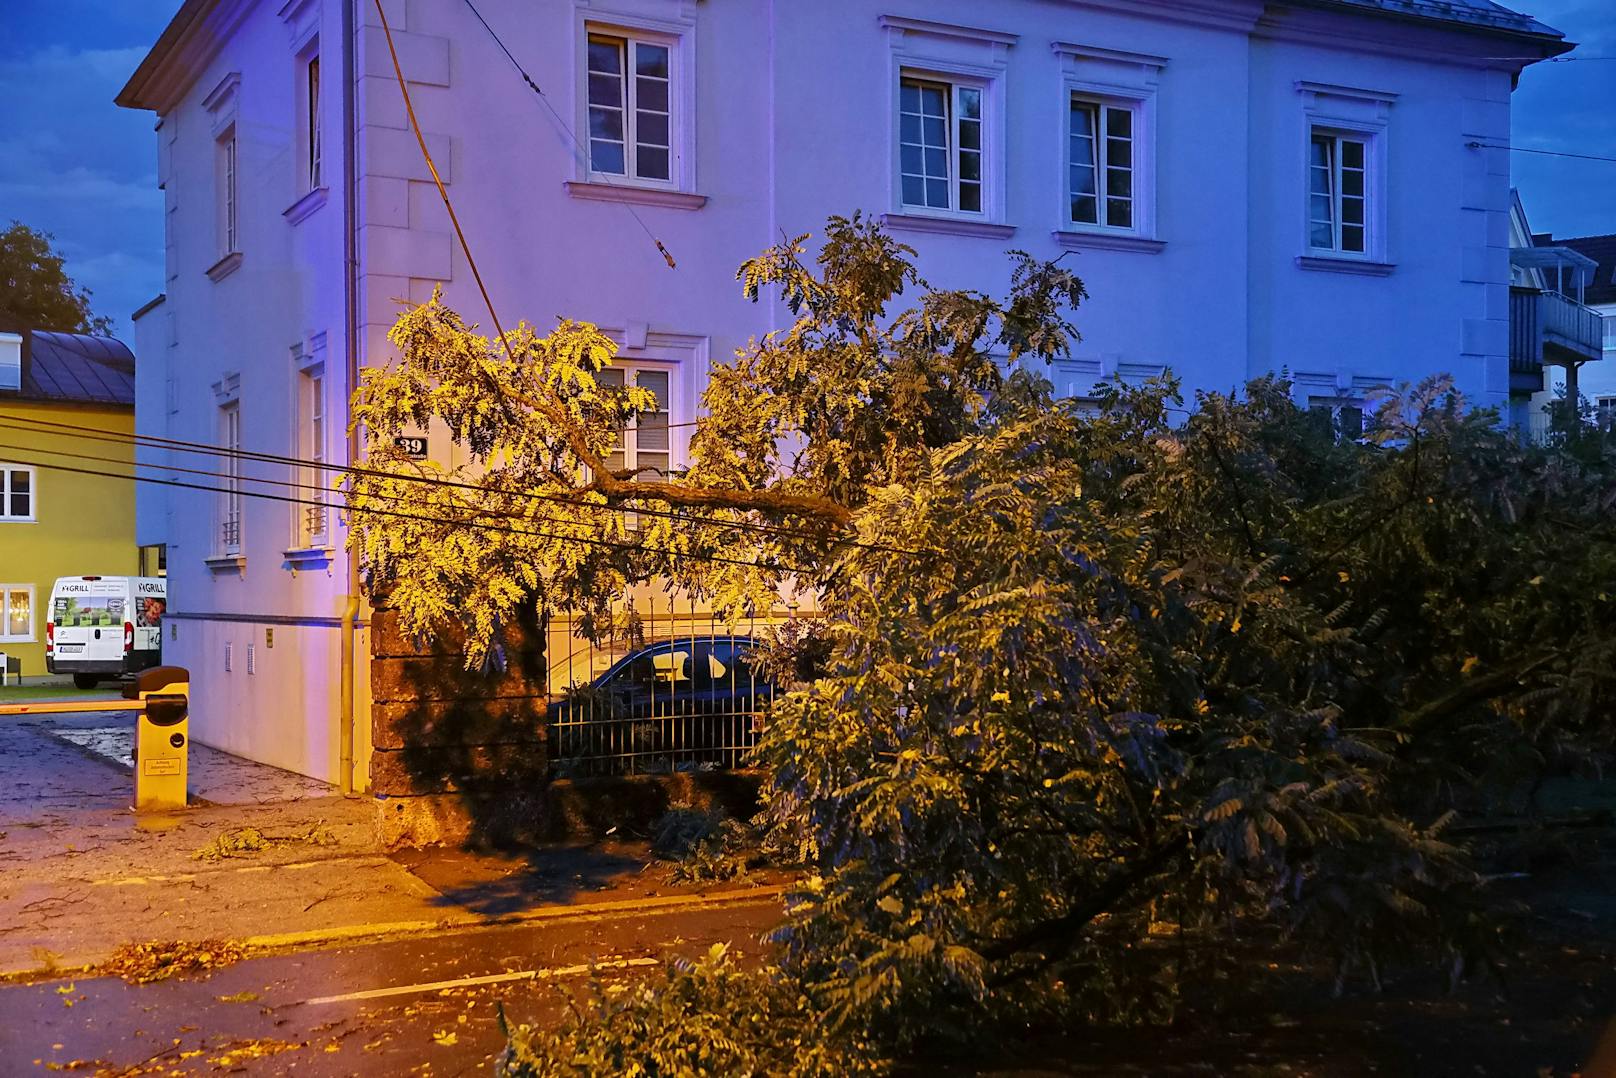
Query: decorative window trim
[302, 19]
[227, 390]
[679, 35]
[222, 103]
[230, 518]
[947, 225]
[639, 196]
[305, 206]
[8, 637]
[957, 55]
[6, 516]
[1362, 114]
[1345, 262]
[1117, 79]
[227, 200]
[688, 357]
[224, 267]
[1088, 238]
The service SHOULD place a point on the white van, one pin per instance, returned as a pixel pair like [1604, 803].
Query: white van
[105, 626]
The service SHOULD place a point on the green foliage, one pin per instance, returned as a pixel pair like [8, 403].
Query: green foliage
[711, 1017]
[36, 292]
[1100, 687]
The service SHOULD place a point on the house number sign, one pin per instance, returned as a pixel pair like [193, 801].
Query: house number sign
[410, 446]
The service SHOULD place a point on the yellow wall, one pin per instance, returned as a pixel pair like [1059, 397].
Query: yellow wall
[83, 524]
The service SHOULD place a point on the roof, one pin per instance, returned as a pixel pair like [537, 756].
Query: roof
[1481, 14]
[75, 368]
[198, 29]
[1602, 249]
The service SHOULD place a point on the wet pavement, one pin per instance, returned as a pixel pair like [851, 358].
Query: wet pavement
[396, 1007]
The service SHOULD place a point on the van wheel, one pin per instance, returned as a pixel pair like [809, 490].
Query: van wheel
[85, 681]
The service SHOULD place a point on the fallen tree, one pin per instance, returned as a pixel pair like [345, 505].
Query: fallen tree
[1095, 676]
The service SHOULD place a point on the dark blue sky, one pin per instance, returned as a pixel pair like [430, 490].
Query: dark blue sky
[74, 164]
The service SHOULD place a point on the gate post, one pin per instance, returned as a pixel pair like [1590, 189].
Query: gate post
[458, 756]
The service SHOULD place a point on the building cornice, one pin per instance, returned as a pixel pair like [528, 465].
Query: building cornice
[1235, 15]
[182, 53]
[1329, 25]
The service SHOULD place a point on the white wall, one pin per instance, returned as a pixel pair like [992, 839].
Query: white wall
[793, 121]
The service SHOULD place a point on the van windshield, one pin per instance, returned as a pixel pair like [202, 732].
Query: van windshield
[87, 611]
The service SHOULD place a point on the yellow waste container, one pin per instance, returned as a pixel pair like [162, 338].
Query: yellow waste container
[162, 738]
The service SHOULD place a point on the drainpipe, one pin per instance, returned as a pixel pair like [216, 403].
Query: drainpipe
[350, 299]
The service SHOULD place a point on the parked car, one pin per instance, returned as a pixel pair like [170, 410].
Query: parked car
[690, 703]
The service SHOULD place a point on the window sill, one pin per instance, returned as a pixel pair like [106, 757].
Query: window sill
[640, 196]
[950, 226]
[1363, 267]
[1084, 240]
[311, 557]
[225, 266]
[226, 563]
[18, 520]
[303, 207]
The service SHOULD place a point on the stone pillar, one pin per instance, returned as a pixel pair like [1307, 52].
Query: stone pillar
[459, 755]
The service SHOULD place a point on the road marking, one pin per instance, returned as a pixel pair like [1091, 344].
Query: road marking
[492, 978]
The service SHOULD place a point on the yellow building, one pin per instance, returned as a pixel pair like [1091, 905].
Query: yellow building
[58, 391]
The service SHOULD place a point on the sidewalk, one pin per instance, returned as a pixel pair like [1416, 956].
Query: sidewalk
[81, 875]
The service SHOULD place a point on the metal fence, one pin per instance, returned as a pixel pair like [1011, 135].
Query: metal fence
[672, 688]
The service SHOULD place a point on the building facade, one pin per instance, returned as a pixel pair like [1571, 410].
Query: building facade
[61, 393]
[1317, 186]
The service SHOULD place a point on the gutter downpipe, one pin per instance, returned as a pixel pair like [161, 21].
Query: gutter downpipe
[350, 299]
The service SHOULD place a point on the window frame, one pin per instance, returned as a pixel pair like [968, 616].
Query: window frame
[955, 77]
[229, 510]
[678, 37]
[311, 164]
[1141, 198]
[8, 637]
[6, 493]
[677, 449]
[1337, 136]
[227, 168]
[954, 149]
[311, 443]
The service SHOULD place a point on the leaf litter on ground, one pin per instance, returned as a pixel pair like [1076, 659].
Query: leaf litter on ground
[247, 841]
[142, 963]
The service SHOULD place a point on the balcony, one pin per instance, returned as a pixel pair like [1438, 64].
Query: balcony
[1548, 328]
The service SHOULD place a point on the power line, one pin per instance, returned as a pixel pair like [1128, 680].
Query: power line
[1546, 153]
[31, 425]
[578, 146]
[374, 511]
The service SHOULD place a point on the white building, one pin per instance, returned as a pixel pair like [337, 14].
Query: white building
[1313, 185]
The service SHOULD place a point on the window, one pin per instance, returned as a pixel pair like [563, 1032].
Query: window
[1605, 411]
[1338, 193]
[1343, 420]
[16, 613]
[1100, 156]
[17, 493]
[230, 496]
[940, 145]
[229, 234]
[644, 444]
[311, 122]
[312, 519]
[630, 84]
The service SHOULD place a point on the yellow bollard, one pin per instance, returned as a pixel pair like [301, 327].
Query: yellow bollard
[162, 739]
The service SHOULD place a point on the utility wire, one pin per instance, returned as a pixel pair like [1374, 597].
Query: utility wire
[392, 513]
[578, 146]
[31, 425]
[1546, 153]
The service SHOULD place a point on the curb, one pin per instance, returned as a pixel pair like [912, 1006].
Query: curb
[367, 933]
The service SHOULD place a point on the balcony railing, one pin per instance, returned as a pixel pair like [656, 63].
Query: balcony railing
[1546, 327]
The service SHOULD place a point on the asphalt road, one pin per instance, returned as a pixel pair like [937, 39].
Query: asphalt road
[404, 1006]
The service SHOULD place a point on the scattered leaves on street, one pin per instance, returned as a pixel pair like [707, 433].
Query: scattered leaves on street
[239, 997]
[247, 841]
[142, 963]
[445, 1037]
